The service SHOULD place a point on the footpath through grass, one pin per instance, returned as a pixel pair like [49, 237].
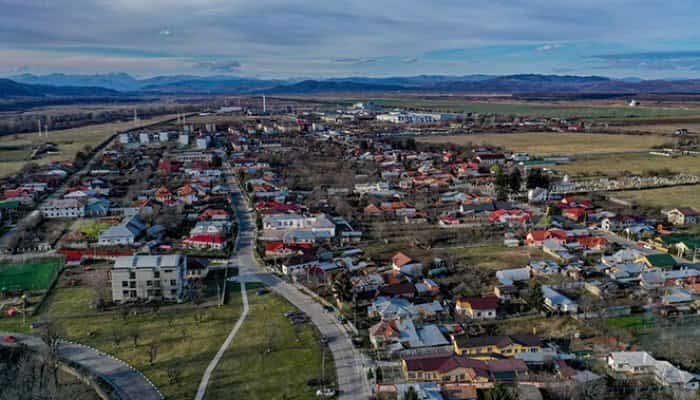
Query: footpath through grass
[270, 358]
[184, 338]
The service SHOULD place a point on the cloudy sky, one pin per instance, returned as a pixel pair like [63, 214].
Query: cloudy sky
[326, 38]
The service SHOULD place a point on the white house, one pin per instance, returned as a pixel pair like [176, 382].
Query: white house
[683, 216]
[64, 208]
[641, 363]
[557, 302]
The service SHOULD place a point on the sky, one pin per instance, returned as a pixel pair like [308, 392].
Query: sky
[331, 38]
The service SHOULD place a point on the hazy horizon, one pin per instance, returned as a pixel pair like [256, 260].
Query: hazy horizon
[313, 39]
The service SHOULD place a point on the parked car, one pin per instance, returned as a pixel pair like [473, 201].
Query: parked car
[325, 393]
[328, 308]
[9, 339]
[342, 319]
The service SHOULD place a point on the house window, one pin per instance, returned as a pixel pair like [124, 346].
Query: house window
[125, 284]
[133, 294]
[149, 283]
[173, 282]
[132, 275]
[125, 293]
[156, 274]
[132, 285]
[173, 292]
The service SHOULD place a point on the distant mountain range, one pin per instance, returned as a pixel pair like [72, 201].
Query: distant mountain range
[114, 83]
[10, 88]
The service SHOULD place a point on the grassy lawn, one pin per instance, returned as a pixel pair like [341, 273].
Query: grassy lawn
[32, 275]
[679, 196]
[638, 163]
[16, 150]
[248, 372]
[545, 143]
[531, 109]
[187, 338]
[627, 322]
[495, 257]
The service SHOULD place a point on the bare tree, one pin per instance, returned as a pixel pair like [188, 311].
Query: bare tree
[152, 352]
[135, 336]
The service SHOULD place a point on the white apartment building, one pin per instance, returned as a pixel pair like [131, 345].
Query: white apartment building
[138, 278]
[63, 208]
[411, 118]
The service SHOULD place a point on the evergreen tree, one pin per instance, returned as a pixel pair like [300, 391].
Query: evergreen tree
[515, 180]
[536, 298]
[502, 185]
[499, 391]
[410, 394]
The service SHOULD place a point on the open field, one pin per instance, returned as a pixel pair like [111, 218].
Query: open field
[247, 371]
[637, 163]
[545, 143]
[32, 275]
[664, 128]
[187, 337]
[679, 196]
[16, 149]
[494, 257]
[563, 109]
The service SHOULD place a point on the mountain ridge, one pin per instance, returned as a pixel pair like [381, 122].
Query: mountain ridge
[123, 83]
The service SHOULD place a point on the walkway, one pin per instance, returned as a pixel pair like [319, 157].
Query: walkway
[127, 382]
[349, 362]
[214, 362]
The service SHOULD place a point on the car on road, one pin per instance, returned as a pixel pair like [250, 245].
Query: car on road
[323, 339]
[342, 319]
[328, 309]
[9, 339]
[325, 393]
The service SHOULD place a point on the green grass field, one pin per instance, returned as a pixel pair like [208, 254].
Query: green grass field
[33, 275]
[637, 163]
[679, 196]
[187, 338]
[552, 110]
[546, 143]
[248, 372]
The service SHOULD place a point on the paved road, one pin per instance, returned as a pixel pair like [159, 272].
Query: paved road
[352, 382]
[128, 383]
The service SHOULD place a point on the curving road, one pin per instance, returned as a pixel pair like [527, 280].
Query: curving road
[352, 382]
[127, 382]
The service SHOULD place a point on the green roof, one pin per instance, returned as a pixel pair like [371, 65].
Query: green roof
[690, 241]
[661, 260]
[10, 204]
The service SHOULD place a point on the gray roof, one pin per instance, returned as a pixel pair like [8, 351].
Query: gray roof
[161, 261]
